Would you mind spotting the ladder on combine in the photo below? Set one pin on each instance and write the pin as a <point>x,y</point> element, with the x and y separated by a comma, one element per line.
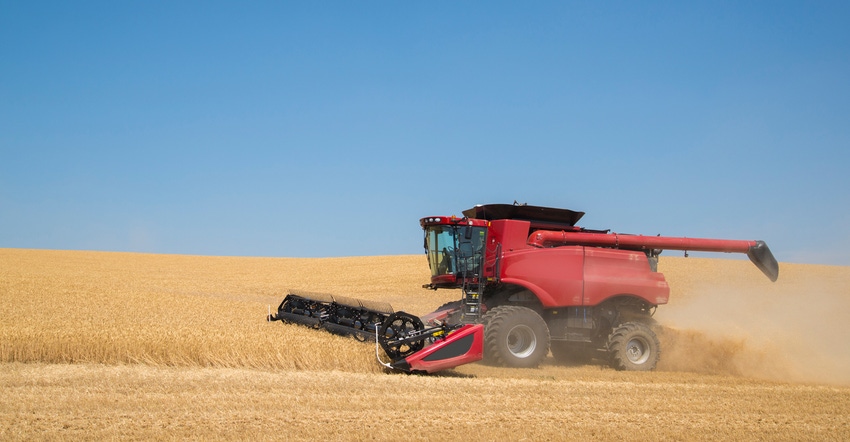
<point>471,304</point>
<point>473,291</point>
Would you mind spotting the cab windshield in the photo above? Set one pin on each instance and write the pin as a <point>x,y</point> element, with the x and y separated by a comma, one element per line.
<point>455,250</point>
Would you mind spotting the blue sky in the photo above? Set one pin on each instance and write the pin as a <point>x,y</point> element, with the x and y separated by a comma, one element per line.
<point>318,129</point>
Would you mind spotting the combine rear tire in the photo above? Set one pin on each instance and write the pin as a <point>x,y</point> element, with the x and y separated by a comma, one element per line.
<point>515,337</point>
<point>634,347</point>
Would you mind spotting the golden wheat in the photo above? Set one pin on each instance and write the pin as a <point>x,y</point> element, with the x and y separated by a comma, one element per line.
<point>98,402</point>
<point>61,307</point>
<point>116,345</point>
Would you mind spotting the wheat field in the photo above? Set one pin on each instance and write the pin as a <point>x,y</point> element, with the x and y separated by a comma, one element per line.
<point>98,345</point>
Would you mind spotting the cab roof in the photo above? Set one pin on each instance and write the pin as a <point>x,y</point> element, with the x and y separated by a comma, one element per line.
<point>524,212</point>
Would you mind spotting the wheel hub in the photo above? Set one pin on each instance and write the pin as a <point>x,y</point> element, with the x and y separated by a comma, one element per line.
<point>522,341</point>
<point>636,351</point>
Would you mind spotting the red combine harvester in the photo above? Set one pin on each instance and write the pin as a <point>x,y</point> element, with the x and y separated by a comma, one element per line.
<point>531,281</point>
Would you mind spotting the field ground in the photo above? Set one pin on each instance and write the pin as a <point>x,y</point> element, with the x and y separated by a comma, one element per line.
<point>98,345</point>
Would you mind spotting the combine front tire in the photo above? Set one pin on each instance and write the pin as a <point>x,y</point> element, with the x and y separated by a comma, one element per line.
<point>515,337</point>
<point>634,347</point>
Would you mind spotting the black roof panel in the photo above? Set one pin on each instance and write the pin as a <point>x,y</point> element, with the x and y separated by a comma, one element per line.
<point>526,213</point>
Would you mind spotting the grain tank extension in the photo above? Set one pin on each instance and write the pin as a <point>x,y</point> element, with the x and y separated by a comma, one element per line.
<point>530,281</point>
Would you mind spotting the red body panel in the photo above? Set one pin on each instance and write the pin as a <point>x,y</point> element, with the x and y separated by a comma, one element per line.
<point>462,346</point>
<point>612,272</point>
<point>583,276</point>
<point>510,234</point>
<point>555,275</point>
<point>570,275</point>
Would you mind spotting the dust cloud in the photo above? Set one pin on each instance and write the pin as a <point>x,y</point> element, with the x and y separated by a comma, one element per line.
<point>791,330</point>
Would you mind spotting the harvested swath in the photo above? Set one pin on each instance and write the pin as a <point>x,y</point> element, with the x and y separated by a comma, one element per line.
<point>137,402</point>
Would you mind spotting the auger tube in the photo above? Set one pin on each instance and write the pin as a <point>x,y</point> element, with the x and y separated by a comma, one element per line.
<point>757,251</point>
